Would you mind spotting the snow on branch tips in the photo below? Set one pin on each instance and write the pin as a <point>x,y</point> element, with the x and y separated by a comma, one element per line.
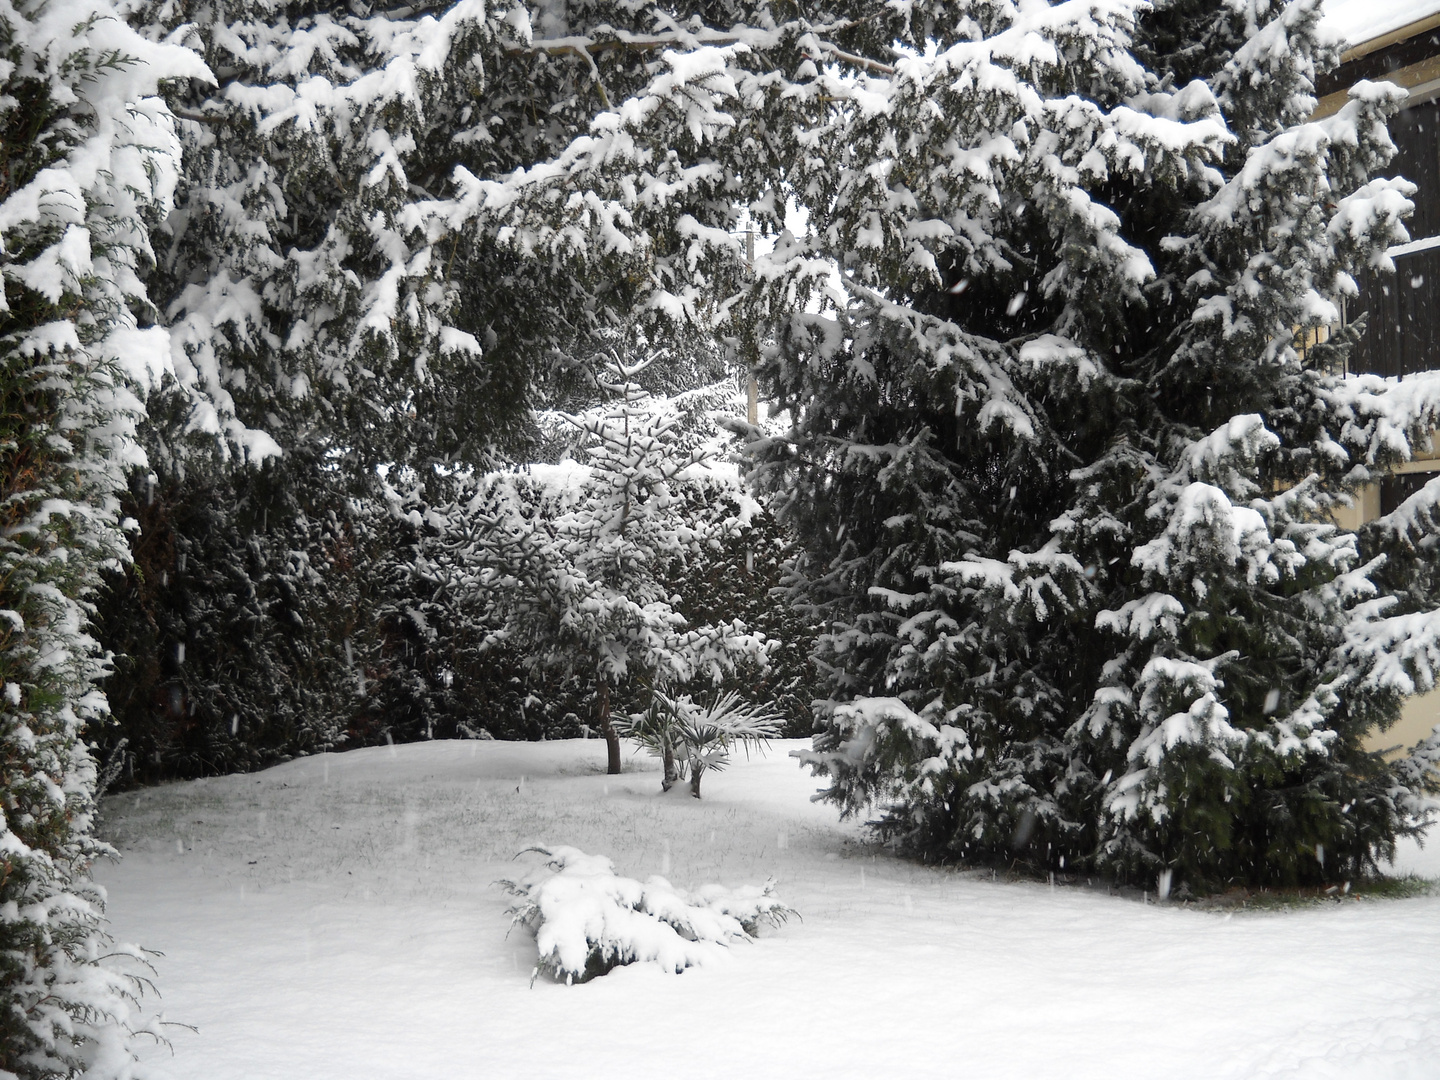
<point>92,166</point>
<point>588,920</point>
<point>880,740</point>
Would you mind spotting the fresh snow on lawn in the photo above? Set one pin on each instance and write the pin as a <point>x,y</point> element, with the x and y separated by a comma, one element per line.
<point>335,917</point>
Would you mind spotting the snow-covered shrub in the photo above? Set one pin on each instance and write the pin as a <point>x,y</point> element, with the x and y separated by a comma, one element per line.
<point>435,675</point>
<point>242,627</point>
<point>586,919</point>
<point>740,576</point>
<point>690,737</point>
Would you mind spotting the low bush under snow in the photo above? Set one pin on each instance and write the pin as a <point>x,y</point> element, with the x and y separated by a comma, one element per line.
<point>587,919</point>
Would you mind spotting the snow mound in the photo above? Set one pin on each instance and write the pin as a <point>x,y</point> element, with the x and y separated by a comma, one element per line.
<point>587,920</point>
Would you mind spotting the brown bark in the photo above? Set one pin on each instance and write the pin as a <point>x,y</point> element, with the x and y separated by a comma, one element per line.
<point>612,740</point>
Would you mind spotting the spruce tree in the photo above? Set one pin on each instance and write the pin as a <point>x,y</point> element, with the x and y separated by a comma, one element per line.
<point>1064,476</point>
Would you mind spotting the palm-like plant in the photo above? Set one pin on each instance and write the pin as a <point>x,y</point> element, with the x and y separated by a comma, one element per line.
<point>690,736</point>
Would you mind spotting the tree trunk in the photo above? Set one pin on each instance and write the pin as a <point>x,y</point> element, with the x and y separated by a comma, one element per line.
<point>612,740</point>
<point>695,771</point>
<point>668,757</point>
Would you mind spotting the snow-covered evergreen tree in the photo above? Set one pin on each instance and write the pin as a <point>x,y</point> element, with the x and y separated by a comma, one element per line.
<point>324,351</point>
<point>91,158</point>
<point>440,673</point>
<point>1065,478</point>
<point>580,579</point>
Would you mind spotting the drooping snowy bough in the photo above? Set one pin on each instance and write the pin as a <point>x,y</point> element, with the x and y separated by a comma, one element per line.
<point>587,920</point>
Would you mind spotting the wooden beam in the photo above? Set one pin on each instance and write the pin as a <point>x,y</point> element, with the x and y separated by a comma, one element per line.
<point>1412,77</point>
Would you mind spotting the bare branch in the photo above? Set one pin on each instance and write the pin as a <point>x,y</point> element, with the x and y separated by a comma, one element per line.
<point>588,48</point>
<point>200,118</point>
<point>865,63</point>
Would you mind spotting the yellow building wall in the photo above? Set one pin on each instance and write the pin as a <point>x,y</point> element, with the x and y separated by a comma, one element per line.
<point>1365,508</point>
<point>1417,719</point>
<point>1421,713</point>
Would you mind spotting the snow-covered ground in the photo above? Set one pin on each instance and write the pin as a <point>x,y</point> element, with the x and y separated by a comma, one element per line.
<point>335,919</point>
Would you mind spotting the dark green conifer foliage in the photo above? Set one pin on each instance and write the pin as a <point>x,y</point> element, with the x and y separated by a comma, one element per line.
<point>1109,624</point>
<point>263,551</point>
<point>240,626</point>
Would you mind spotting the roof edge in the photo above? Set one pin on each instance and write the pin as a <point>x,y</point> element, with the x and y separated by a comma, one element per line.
<point>1409,30</point>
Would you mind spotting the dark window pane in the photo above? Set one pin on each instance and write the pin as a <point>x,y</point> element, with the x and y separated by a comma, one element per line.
<point>1398,487</point>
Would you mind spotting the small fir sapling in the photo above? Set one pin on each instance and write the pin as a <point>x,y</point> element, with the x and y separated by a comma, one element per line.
<point>587,920</point>
<point>690,737</point>
<point>581,579</point>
